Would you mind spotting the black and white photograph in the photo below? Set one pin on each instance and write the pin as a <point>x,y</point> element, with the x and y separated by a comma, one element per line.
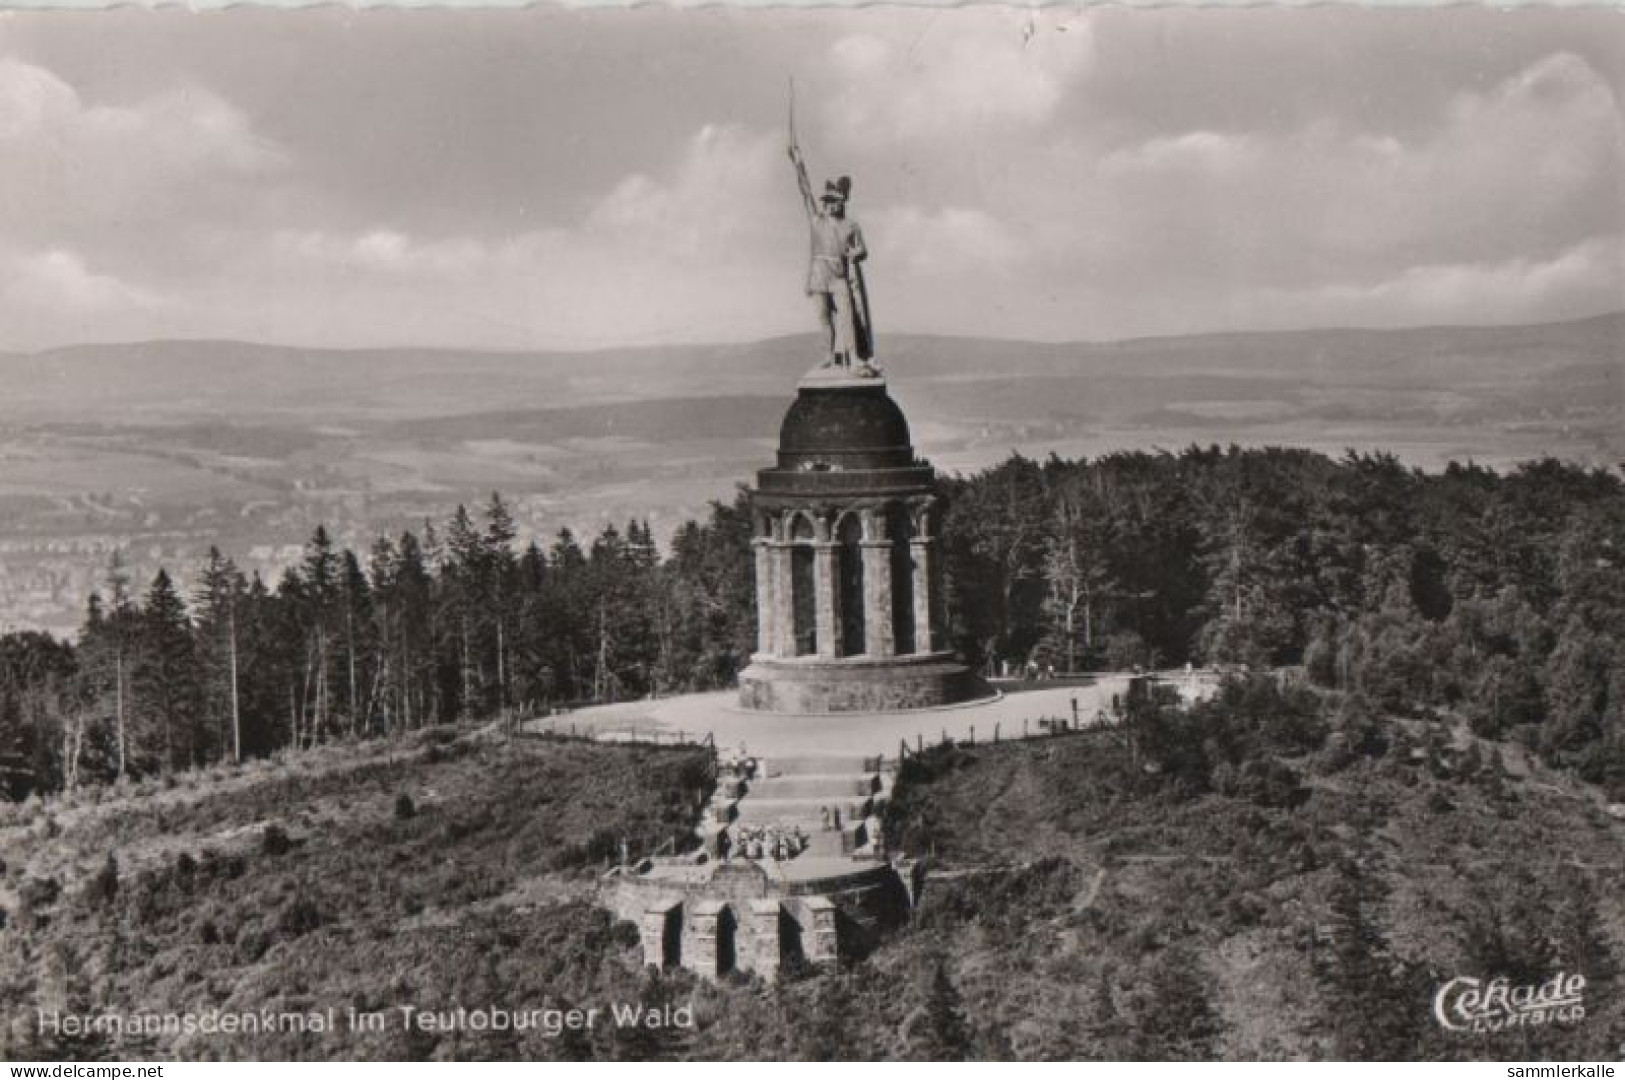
<point>774,533</point>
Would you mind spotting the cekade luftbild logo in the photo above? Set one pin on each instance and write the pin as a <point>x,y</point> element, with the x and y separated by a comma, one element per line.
<point>1467,1004</point>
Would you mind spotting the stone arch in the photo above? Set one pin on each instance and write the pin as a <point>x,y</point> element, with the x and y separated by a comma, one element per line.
<point>800,527</point>
<point>849,537</point>
<point>921,512</point>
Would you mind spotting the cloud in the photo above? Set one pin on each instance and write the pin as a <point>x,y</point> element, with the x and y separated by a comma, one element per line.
<point>1203,153</point>
<point>55,295</point>
<point>966,77</point>
<point>60,279</point>
<point>1018,173</point>
<point>948,241</point>
<point>72,164</point>
<point>1536,160</point>
<point>664,255</point>
<point>1585,278</point>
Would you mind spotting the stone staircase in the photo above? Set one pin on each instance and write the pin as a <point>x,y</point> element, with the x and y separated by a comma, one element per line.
<point>794,792</point>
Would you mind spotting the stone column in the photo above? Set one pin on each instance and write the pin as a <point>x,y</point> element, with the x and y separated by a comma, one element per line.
<point>820,942</point>
<point>765,588</point>
<point>784,604</point>
<point>920,551</point>
<point>652,929</point>
<point>762,953</point>
<point>827,585</point>
<point>877,614</point>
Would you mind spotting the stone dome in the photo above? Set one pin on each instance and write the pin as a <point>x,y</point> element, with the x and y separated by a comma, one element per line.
<point>843,428</point>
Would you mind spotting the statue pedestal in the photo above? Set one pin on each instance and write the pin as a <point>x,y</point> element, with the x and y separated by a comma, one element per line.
<point>836,376</point>
<point>848,575</point>
<point>818,686</point>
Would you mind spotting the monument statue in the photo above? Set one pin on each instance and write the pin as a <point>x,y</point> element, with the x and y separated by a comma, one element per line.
<point>835,272</point>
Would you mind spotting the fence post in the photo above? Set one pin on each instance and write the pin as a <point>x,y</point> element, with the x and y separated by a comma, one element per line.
<point>1024,727</point>
<point>995,731</point>
<point>973,734</point>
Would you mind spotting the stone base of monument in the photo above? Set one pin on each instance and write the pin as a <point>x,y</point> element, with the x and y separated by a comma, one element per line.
<point>815,686</point>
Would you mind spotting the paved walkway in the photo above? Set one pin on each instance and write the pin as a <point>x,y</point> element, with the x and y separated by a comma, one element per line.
<point>866,734</point>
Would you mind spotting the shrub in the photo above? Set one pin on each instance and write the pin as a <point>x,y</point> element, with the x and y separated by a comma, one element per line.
<point>1270,783</point>
<point>39,892</point>
<point>301,916</point>
<point>274,841</point>
<point>405,808</point>
<point>103,887</point>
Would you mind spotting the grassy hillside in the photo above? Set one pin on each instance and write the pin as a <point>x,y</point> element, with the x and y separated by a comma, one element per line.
<point>456,871</point>
<point>1142,920</point>
<point>1263,878</point>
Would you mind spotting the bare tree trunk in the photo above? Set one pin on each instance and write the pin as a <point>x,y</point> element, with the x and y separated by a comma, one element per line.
<point>236,712</point>
<point>502,670</point>
<point>349,651</point>
<point>73,741</point>
<point>118,698</point>
<point>599,680</point>
<point>467,665</point>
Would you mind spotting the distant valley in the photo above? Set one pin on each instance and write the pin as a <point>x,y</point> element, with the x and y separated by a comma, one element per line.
<point>163,448</point>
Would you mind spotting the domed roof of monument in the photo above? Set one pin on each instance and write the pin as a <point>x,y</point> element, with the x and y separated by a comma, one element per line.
<point>845,421</point>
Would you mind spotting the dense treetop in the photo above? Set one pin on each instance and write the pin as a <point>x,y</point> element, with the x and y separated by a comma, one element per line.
<point>1497,597</point>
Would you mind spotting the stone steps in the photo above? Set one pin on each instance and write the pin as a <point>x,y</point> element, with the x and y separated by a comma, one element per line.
<point>799,811</point>
<point>833,786</point>
<point>818,765</point>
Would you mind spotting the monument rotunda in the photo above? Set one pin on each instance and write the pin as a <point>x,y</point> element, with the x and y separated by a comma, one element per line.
<point>848,582</point>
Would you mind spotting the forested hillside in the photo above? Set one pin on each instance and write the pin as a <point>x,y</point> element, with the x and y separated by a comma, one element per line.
<point>1275,874</point>
<point>1497,598</point>
<point>447,868</point>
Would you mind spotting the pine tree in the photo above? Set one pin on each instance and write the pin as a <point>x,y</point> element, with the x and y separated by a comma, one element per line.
<point>218,601</point>
<point>946,1033</point>
<point>501,591</point>
<point>166,675</point>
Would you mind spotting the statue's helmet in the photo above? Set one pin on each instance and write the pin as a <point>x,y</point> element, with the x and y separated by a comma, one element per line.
<point>837,190</point>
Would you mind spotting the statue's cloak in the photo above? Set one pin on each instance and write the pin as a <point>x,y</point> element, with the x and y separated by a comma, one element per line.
<point>862,328</point>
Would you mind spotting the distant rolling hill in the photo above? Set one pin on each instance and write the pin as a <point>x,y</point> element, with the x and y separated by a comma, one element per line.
<point>1582,363</point>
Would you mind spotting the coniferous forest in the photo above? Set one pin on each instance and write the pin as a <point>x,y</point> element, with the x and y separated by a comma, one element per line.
<point>1493,598</point>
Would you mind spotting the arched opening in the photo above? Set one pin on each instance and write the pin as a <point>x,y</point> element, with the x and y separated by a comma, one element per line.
<point>849,585</point>
<point>803,587</point>
<point>727,926</point>
<point>901,531</point>
<point>671,938</point>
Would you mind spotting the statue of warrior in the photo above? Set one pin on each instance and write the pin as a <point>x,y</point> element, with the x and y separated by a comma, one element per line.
<point>835,275</point>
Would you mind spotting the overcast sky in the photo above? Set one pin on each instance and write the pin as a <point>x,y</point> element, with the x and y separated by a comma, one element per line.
<point>543,179</point>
